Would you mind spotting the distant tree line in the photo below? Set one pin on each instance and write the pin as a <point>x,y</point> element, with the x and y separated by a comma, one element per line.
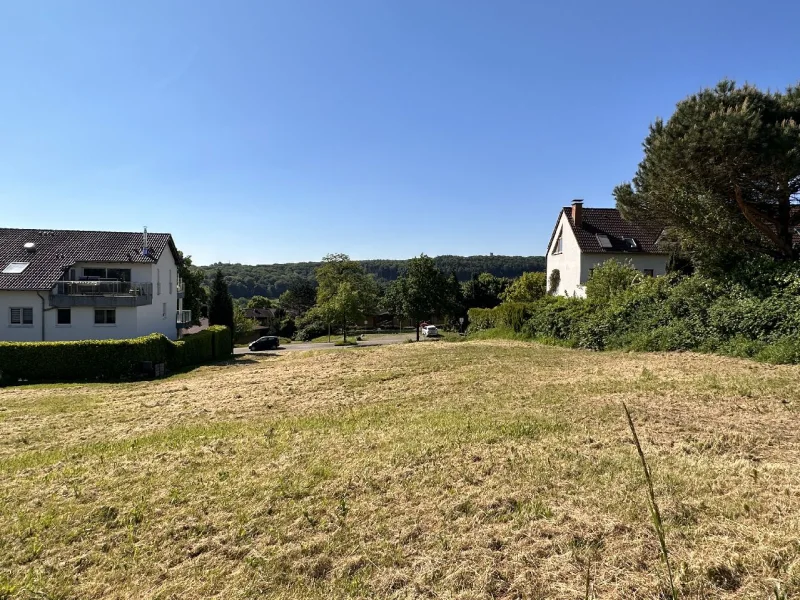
<point>246,281</point>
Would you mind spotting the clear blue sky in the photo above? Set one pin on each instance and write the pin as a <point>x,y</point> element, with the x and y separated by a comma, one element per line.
<point>263,132</point>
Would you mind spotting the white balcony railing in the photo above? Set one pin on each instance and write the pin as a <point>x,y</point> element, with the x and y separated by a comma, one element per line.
<point>184,317</point>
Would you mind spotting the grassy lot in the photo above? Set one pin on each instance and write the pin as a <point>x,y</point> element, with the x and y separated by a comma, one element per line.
<point>483,469</point>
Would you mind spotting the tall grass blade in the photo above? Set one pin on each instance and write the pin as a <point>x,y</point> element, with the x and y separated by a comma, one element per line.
<point>658,524</point>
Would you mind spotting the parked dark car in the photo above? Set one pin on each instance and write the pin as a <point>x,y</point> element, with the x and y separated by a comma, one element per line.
<point>268,342</point>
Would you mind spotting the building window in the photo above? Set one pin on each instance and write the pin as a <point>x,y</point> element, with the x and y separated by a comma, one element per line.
<point>559,247</point>
<point>158,282</point>
<point>647,272</point>
<point>163,310</point>
<point>103,273</point>
<point>20,316</point>
<point>105,316</point>
<point>170,282</point>
<point>64,316</point>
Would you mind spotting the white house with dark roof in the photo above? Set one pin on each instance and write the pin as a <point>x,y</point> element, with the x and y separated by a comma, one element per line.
<point>586,237</point>
<point>84,285</point>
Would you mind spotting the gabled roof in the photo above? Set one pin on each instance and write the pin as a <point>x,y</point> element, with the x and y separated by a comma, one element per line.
<point>259,313</point>
<point>608,222</point>
<point>57,250</point>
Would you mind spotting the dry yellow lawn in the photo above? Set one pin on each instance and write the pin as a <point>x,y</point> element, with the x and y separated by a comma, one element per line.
<point>443,470</point>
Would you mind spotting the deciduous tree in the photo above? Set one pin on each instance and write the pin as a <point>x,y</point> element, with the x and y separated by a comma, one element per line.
<point>528,288</point>
<point>299,298</point>
<point>259,302</point>
<point>421,292</point>
<point>242,326</point>
<point>345,289</point>
<point>194,294</point>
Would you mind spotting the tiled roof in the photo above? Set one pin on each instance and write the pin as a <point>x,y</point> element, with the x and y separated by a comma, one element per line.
<point>609,222</point>
<point>57,250</point>
<point>259,313</point>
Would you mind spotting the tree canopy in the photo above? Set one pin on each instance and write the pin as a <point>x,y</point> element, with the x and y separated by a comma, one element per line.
<point>259,302</point>
<point>529,287</point>
<point>194,294</point>
<point>484,290</point>
<point>346,292</point>
<point>245,281</point>
<point>722,175</point>
<point>299,298</point>
<point>421,292</point>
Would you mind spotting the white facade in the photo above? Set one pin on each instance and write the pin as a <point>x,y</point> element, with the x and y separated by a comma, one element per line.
<point>81,322</point>
<point>575,266</point>
<point>566,257</point>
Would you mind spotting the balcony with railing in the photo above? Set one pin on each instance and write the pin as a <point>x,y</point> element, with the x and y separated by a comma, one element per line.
<point>184,319</point>
<point>179,289</point>
<point>100,292</point>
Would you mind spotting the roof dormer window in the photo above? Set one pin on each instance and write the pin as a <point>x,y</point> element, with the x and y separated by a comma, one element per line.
<point>630,244</point>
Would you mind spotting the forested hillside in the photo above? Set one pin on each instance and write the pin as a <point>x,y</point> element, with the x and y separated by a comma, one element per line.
<point>245,281</point>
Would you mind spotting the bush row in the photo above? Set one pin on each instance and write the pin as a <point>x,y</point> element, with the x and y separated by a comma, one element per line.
<point>107,359</point>
<point>673,312</point>
<point>510,315</point>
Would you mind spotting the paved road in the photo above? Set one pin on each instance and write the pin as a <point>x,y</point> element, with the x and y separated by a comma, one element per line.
<point>300,346</point>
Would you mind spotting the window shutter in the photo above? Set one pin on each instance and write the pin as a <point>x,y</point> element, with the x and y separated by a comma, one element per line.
<point>16,316</point>
<point>27,316</point>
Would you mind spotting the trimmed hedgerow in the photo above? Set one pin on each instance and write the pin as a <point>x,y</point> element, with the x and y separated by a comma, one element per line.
<point>222,345</point>
<point>107,360</point>
<point>198,347</point>
<point>84,360</point>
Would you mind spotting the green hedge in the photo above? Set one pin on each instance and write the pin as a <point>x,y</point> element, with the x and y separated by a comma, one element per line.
<point>71,361</point>
<point>107,359</point>
<point>198,348</point>
<point>223,342</point>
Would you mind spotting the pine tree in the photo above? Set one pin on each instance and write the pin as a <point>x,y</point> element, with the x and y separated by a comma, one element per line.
<point>220,305</point>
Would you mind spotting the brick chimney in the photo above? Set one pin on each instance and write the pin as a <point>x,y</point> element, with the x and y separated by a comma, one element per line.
<point>577,212</point>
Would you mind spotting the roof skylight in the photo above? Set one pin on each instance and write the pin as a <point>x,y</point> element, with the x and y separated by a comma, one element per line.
<point>14,268</point>
<point>604,241</point>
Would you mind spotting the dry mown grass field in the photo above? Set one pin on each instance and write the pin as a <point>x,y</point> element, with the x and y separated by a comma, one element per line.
<point>451,470</point>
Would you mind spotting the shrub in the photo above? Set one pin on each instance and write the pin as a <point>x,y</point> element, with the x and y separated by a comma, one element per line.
<point>481,318</point>
<point>311,330</point>
<point>673,312</point>
<point>784,351</point>
<point>286,328</point>
<point>610,279</point>
<point>555,317</point>
<point>738,346</point>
